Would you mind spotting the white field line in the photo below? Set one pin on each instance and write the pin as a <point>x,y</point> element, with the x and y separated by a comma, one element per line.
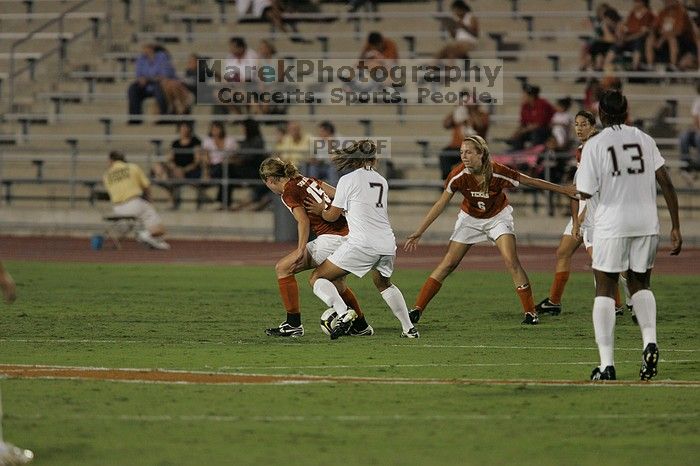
<point>279,379</point>
<point>355,418</point>
<point>474,364</point>
<point>239,342</point>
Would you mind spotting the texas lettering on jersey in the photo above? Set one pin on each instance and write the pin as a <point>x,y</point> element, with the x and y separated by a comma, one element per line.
<point>300,188</point>
<point>476,203</point>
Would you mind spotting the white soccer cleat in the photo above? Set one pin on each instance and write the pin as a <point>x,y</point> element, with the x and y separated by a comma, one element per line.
<point>145,237</point>
<point>11,455</point>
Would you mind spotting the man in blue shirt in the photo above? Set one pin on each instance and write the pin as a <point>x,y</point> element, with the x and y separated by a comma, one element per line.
<point>151,67</point>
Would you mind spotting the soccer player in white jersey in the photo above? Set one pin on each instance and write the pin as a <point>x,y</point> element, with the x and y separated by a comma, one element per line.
<point>370,244</point>
<point>622,165</point>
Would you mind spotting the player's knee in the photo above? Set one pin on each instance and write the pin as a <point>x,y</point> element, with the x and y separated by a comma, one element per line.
<point>281,268</point>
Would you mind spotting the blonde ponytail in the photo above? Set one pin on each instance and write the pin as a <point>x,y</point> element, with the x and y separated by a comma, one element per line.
<point>274,167</point>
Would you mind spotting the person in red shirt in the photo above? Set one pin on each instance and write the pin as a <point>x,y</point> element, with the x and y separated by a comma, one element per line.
<point>672,36</point>
<point>535,116</point>
<point>635,30</point>
<point>485,215</point>
<point>283,178</point>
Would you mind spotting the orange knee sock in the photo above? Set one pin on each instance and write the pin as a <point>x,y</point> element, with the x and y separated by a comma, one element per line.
<point>289,291</point>
<point>526,299</point>
<point>427,292</point>
<point>558,285</point>
<point>350,299</point>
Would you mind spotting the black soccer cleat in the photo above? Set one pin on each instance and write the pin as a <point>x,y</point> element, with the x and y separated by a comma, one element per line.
<point>531,319</point>
<point>412,333</point>
<point>619,311</point>
<point>548,307</point>
<point>414,315</point>
<point>344,324</point>
<point>285,330</point>
<point>360,328</point>
<point>606,374</point>
<point>632,314</point>
<point>650,358</point>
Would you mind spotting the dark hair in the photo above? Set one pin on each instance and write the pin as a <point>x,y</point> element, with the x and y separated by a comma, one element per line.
<point>251,129</point>
<point>532,91</point>
<point>116,155</point>
<point>587,115</point>
<point>238,41</point>
<point>460,4</point>
<point>612,108</point>
<point>220,125</point>
<point>565,103</point>
<point>645,2</point>
<point>328,126</point>
<point>612,15</point>
<point>188,123</point>
<point>357,155</point>
<point>375,38</point>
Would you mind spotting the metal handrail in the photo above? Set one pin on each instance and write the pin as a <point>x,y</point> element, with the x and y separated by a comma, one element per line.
<point>59,19</point>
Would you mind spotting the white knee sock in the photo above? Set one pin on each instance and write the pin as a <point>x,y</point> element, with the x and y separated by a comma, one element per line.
<point>604,327</point>
<point>644,304</point>
<point>329,295</point>
<point>394,299</point>
<point>625,288</point>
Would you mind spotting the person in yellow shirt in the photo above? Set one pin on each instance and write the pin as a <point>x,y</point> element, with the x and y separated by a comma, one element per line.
<point>128,190</point>
<point>294,145</point>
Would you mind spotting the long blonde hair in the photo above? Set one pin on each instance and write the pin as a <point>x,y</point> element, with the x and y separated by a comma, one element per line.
<point>275,167</point>
<point>357,155</point>
<point>486,166</point>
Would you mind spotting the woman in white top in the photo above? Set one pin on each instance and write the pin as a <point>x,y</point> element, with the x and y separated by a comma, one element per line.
<point>370,244</point>
<point>464,29</point>
<point>219,151</point>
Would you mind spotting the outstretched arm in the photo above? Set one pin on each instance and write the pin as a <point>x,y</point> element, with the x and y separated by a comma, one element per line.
<point>331,214</point>
<point>672,204</point>
<point>537,183</point>
<point>433,213</point>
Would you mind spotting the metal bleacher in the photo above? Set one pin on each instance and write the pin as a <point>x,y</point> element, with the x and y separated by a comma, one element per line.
<point>69,107</point>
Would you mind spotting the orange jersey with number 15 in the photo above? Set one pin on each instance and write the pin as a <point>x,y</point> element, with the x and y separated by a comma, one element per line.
<point>300,188</point>
<point>476,203</point>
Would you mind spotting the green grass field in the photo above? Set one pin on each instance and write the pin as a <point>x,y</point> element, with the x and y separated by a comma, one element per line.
<point>211,318</point>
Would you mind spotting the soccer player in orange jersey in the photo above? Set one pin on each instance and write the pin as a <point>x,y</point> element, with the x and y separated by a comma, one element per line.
<point>485,215</point>
<point>284,179</point>
<point>579,230</point>
<point>7,286</point>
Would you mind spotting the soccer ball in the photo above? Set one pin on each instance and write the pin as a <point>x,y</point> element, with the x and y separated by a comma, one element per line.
<point>329,321</point>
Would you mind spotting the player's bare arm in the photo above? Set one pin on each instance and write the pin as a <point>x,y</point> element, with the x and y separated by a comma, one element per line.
<point>303,229</point>
<point>669,193</point>
<point>568,190</point>
<point>328,189</point>
<point>434,212</point>
<point>330,214</point>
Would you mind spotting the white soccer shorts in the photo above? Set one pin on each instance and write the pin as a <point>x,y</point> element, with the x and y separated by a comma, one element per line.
<point>471,230</point>
<point>587,237</point>
<point>356,260</point>
<point>635,253</point>
<point>140,208</point>
<point>323,246</point>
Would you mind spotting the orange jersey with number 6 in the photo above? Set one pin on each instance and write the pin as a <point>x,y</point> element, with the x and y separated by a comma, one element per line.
<point>476,203</point>
<point>300,188</point>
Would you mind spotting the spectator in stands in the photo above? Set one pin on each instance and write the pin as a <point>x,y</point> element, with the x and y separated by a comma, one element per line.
<point>219,150</point>
<point>182,163</point>
<point>266,9</point>
<point>251,153</point>
<point>634,32</point>
<point>464,120</point>
<point>294,145</point>
<point>379,48</point>
<point>268,57</point>
<point>354,5</point>
<point>190,77</point>
<point>691,138</point>
<point>128,189</point>
<point>535,117</point>
<point>239,66</point>
<point>562,124</point>
<point>608,31</point>
<point>672,36</point>
<point>151,68</point>
<point>464,30</point>
<point>320,166</point>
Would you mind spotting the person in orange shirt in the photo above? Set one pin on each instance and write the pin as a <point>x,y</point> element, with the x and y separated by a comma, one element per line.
<point>379,47</point>
<point>283,178</point>
<point>635,30</point>
<point>485,215</point>
<point>672,36</point>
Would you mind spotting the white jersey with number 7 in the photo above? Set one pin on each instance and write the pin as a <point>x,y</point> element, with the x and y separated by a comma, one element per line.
<point>620,164</point>
<point>362,194</point>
